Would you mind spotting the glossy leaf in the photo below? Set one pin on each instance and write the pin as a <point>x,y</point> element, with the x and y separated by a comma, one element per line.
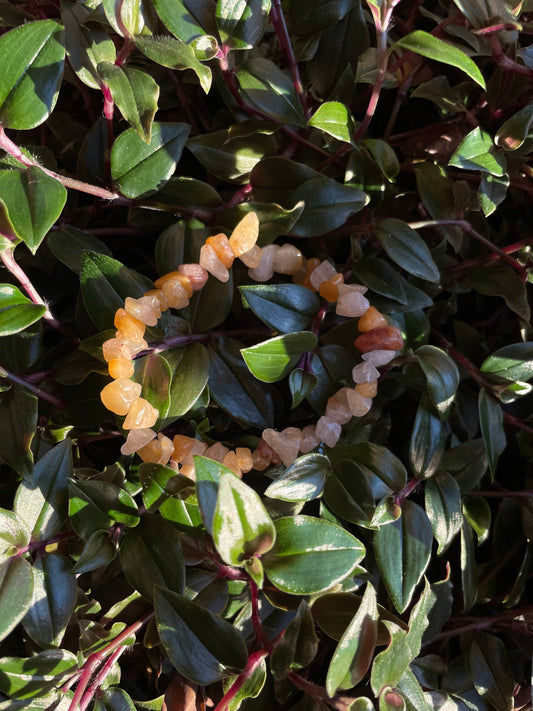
<point>242,24</point>
<point>189,376</point>
<point>407,249</point>
<point>309,18</point>
<point>54,597</point>
<point>98,551</point>
<point>390,664</point>
<point>159,482</point>
<point>250,689</point>
<point>16,311</point>
<point>402,551</point>
<point>431,47</point>
<point>150,555</point>
<point>477,152</point>
<point>310,555</point>
<point>477,512</point>
<point>353,655</point>
<point>301,383</point>
<point>298,646</point>
<point>303,480</point>
<point>468,566</point>
<point>427,440</point>
<point>16,594</point>
<point>443,507</point>
<point>208,474</point>
<point>127,17</point>
<point>181,17</point>
<point>514,362</point>
<point>442,377</point>
<point>230,159</point>
<point>283,307</point>
<point>138,167</point>
<point>381,277</point>
<point>348,493</point>
<point>490,671</point>
<point>95,505</point>
<point>114,699</point>
<point>492,191</point>
<point>33,201</point>
<point>272,360</point>
<point>18,423</point>
<point>33,56</point>
<point>512,134</point>
<point>491,423</point>
<point>68,244</point>
<point>333,118</point>
<point>385,472</point>
<point>154,374</point>
<point>24,678</point>
<point>202,646</point>
<point>174,54</point>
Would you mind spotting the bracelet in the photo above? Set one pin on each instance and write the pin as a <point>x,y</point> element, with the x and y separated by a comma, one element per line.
<point>378,342</point>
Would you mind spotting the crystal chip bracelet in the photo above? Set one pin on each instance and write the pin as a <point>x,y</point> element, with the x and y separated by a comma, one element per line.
<point>378,343</point>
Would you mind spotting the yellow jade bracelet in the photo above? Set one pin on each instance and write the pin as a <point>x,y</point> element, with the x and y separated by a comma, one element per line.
<point>378,343</point>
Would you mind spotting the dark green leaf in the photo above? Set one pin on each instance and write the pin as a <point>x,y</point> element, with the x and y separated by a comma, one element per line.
<point>334,118</point>
<point>310,555</point>
<point>490,671</point>
<point>138,167</point>
<point>476,152</point>
<point>160,482</point>
<point>384,156</point>
<point>272,360</point>
<point>203,647</point>
<point>443,507</point>
<point>298,645</point>
<point>385,472</point>
<point>95,505</point>
<point>442,377</point>
<point>347,492</point>
<point>303,480</point>
<point>390,664</point>
<point>431,47</point>
<point>353,655</point>
<point>33,201</point>
<point>283,307</point>
<point>153,373</point>
<point>18,423</point>
<point>242,24</point>
<point>68,243</point>
<point>468,566</point>
<point>301,383</point>
<point>180,18</point>
<point>491,423</point>
<point>407,249</point>
<point>16,311</point>
<point>382,278</point>
<point>274,178</point>
<point>98,551</point>
<point>512,134</point>
<point>22,678</point>
<point>54,597</point>
<point>114,699</point>
<point>32,68</point>
<point>411,691</point>
<point>427,440</point>
<point>502,280</point>
<point>230,159</point>
<point>309,17</point>
<point>250,689</point>
<point>127,17</point>
<point>14,534</point>
<point>208,474</point>
<point>477,512</point>
<point>189,376</point>
<point>150,555</point>
<point>174,54</point>
<point>436,191</point>
<point>402,550</point>
<point>16,596</point>
<point>330,364</point>
<point>514,362</point>
<point>492,191</point>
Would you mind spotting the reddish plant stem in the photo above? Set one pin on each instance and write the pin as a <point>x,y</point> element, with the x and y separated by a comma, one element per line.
<point>516,422</point>
<point>407,490</point>
<point>260,635</point>
<point>254,660</point>
<point>38,546</point>
<point>186,104</point>
<point>317,693</point>
<point>125,51</point>
<point>505,494</point>
<point>42,394</point>
<point>278,20</point>
<point>100,677</point>
<point>383,60</point>
<point>505,62</point>
<point>200,338</point>
<point>240,196</point>
<point>483,623</point>
<point>463,361</point>
<point>480,261</point>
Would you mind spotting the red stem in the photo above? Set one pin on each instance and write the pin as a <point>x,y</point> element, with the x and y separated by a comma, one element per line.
<point>254,660</point>
<point>278,20</point>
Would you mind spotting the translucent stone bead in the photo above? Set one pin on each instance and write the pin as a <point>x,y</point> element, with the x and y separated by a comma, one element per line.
<point>211,263</point>
<point>359,405</point>
<point>328,431</point>
<point>371,319</point>
<point>305,279</point>
<point>245,234</point>
<point>387,338</point>
<point>223,250</point>
<point>163,303</point>
<point>196,274</point>
<point>264,455</point>
<point>367,389</point>
<point>130,326</point>
<point>137,439</point>
<point>146,309</point>
<point>337,408</point>
<point>377,358</point>
<point>178,276</point>
<point>309,439</point>
<point>114,348</point>
<point>351,302</point>
<point>252,258</point>
<point>120,368</point>
<point>230,461</point>
<point>216,451</point>
<point>285,443</point>
<point>141,414</point>
<point>119,395</point>
<point>288,259</point>
<point>265,270</point>
<point>132,347</point>
<point>158,450</point>
<point>186,446</point>
<point>365,373</point>
<point>324,271</point>
<point>188,471</point>
<point>329,289</point>
<point>175,293</point>
<point>244,459</point>
<point>300,275</point>
<point>260,461</point>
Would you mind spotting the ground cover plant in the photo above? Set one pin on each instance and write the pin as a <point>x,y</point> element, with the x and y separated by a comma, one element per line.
<point>217,219</point>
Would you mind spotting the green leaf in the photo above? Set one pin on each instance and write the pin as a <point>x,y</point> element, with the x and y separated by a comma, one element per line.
<point>411,690</point>
<point>283,307</point>
<point>390,664</point>
<point>32,68</point>
<point>477,152</point>
<point>348,494</point>
<point>127,17</point>
<point>442,377</point>
<point>491,423</point>
<point>153,373</point>
<point>298,646</point>
<point>242,23</point>
<point>431,47</point>
<point>138,167</point>
<point>68,243</point>
<point>502,280</point>
<point>251,688</point>
<point>468,566</point>
<point>513,133</point>
<point>160,482</point>
<point>384,471</point>
<point>353,655</point>
<point>490,671</point>
<point>189,375</point>
<point>16,595</point>
<point>477,512</point>
<point>135,94</point>
<point>33,201</point>
<point>272,360</point>
<point>174,54</point>
<point>242,527</point>
<point>384,156</point>
<point>492,191</point>
<point>24,678</point>
<point>208,474</point>
<point>443,507</point>
<point>150,555</point>
<point>114,699</point>
<point>235,389</point>
<point>379,276</point>
<point>309,17</point>
<point>95,505</point>
<point>54,597</point>
<point>514,362</point>
<point>303,480</point>
<point>98,551</point>
<point>227,158</point>
<point>16,311</point>
<point>105,284</point>
<point>301,383</point>
<point>42,502</point>
<point>268,88</point>
<point>328,204</point>
<point>335,119</point>
<point>14,534</point>
<point>403,549</point>
<point>203,647</point>
<point>182,18</point>
<point>407,249</point>
<point>310,555</point>
<point>18,424</point>
<point>427,440</point>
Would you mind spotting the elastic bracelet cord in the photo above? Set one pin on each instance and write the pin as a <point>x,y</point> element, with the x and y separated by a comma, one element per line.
<point>378,342</point>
